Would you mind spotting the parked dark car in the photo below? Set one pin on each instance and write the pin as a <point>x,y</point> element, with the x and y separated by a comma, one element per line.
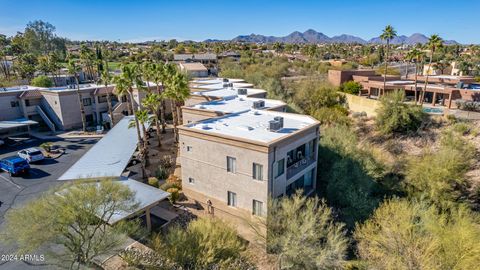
<point>14,165</point>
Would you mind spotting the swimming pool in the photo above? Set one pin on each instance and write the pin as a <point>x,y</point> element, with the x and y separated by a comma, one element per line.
<point>431,110</point>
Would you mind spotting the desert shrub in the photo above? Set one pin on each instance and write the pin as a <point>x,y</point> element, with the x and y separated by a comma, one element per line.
<point>332,115</point>
<point>351,177</point>
<point>47,146</point>
<point>174,180</point>
<point>414,235</point>
<point>153,181</point>
<point>166,162</point>
<point>473,106</point>
<point>42,81</point>
<point>303,235</point>
<point>440,176</point>
<point>206,243</point>
<point>161,172</point>
<point>174,194</point>
<point>396,116</point>
<point>351,87</point>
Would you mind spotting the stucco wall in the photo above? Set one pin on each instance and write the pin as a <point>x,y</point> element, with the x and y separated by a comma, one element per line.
<point>362,104</point>
<point>7,112</point>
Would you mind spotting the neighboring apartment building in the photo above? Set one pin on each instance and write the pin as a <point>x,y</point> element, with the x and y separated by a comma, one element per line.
<point>228,105</point>
<point>197,97</point>
<point>238,160</point>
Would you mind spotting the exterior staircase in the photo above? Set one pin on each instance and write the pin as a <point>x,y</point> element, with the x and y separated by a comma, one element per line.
<point>45,118</point>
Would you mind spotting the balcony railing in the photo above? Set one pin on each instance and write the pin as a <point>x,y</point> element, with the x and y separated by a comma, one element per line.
<point>299,166</point>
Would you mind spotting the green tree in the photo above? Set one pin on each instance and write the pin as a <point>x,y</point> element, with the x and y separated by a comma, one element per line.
<point>205,243</point>
<point>301,231</point>
<point>178,91</point>
<point>74,69</point>
<point>412,235</point>
<point>351,87</point>
<point>153,102</point>
<point>396,116</point>
<point>106,79</point>
<point>42,81</point>
<point>26,65</point>
<point>434,42</point>
<point>440,176</point>
<point>388,34</point>
<point>74,217</point>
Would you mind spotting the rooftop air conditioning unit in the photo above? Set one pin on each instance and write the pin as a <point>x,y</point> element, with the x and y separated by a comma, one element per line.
<point>242,91</point>
<point>258,104</point>
<point>225,80</point>
<point>225,85</point>
<point>274,125</point>
<point>279,119</point>
<point>230,84</point>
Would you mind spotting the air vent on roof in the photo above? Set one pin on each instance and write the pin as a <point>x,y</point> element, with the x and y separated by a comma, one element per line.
<point>206,127</point>
<point>225,80</point>
<point>242,91</point>
<point>274,125</point>
<point>230,85</point>
<point>225,85</point>
<point>258,104</point>
<point>279,119</point>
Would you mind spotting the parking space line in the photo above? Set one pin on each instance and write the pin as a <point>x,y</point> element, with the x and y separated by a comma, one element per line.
<point>10,181</point>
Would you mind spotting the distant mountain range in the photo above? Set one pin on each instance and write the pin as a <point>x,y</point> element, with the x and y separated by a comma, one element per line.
<point>313,37</point>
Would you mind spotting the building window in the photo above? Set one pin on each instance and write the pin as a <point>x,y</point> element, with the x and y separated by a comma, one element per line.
<point>191,180</point>
<point>257,208</point>
<point>231,164</point>
<point>189,149</point>
<point>14,104</point>
<point>102,99</point>
<point>27,102</point>
<point>232,198</point>
<point>280,167</point>
<point>257,171</point>
<point>87,102</point>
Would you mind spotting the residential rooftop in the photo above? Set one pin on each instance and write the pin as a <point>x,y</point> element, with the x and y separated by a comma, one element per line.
<point>20,88</point>
<point>229,92</point>
<point>73,87</point>
<point>216,80</point>
<point>236,104</point>
<point>217,86</point>
<point>253,125</point>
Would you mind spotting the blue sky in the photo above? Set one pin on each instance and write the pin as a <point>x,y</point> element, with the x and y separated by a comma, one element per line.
<point>198,20</point>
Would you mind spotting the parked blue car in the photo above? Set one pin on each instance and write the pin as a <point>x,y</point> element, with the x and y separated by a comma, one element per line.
<point>14,165</point>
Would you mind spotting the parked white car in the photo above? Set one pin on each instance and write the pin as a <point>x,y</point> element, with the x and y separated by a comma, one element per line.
<point>31,155</point>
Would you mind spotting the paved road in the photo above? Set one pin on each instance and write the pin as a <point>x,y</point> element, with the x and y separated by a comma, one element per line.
<point>15,191</point>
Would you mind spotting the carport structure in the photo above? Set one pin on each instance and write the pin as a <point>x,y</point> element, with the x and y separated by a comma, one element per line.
<point>15,127</point>
<point>107,159</point>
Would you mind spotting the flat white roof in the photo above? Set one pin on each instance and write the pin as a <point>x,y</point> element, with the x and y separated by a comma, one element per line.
<point>20,88</point>
<point>400,82</point>
<point>253,125</point>
<point>109,156</point>
<point>220,86</point>
<point>216,80</point>
<point>236,104</point>
<point>227,92</point>
<point>73,87</point>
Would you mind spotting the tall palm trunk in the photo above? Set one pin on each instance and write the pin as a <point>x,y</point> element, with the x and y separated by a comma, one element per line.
<point>137,124</point>
<point>386,66</point>
<point>175,119</point>
<point>426,79</point>
<point>158,131</point>
<point>109,104</point>
<point>162,110</point>
<point>82,108</point>
<point>416,73</point>
<point>129,105</point>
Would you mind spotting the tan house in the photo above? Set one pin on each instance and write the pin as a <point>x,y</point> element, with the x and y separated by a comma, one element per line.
<point>194,69</point>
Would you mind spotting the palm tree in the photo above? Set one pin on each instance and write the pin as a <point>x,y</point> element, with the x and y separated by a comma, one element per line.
<point>153,102</point>
<point>74,69</point>
<point>178,91</point>
<point>415,55</point>
<point>121,90</point>
<point>131,78</point>
<point>388,34</point>
<point>106,79</point>
<point>142,118</point>
<point>158,76</point>
<point>434,42</point>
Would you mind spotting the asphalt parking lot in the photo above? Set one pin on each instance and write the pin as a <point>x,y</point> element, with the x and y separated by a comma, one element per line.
<point>16,190</point>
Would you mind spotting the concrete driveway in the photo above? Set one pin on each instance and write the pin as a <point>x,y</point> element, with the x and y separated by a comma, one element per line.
<point>15,191</point>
